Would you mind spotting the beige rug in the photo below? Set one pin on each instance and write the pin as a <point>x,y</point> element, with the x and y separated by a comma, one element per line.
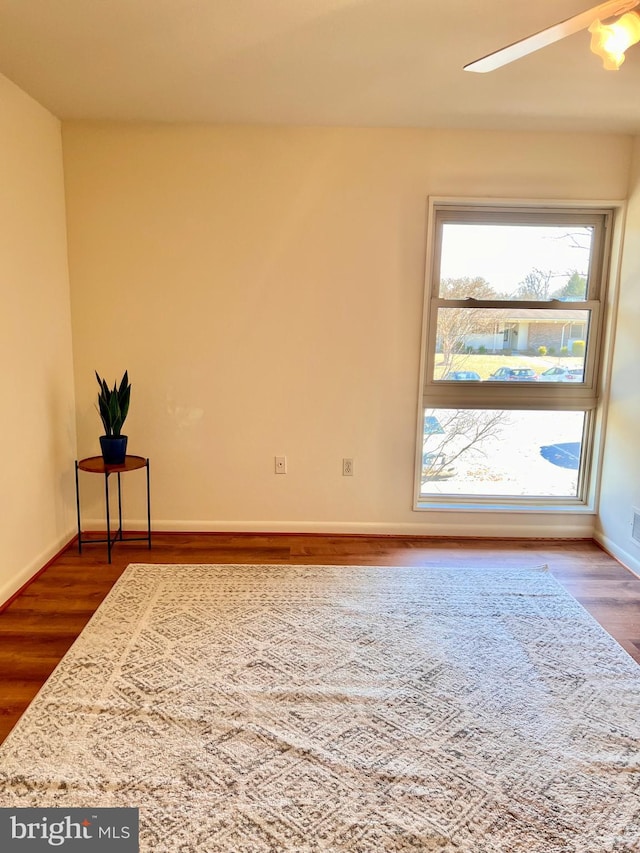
<point>315,708</point>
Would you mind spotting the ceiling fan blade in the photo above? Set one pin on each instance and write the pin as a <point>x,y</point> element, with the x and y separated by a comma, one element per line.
<point>551,34</point>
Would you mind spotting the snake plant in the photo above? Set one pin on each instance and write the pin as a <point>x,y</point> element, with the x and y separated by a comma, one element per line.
<point>113,404</point>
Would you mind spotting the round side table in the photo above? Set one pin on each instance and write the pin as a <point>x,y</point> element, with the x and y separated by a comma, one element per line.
<point>96,465</point>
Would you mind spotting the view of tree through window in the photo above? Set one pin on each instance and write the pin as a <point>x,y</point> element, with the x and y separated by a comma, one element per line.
<point>511,361</point>
<point>502,453</point>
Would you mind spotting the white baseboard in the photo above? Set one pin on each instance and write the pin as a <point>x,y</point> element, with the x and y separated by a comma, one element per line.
<point>628,560</point>
<point>540,527</point>
<point>10,587</point>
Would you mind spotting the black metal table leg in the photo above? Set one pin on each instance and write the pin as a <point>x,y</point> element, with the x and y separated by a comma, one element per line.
<point>78,510</point>
<point>148,507</point>
<point>106,488</point>
<point>119,534</point>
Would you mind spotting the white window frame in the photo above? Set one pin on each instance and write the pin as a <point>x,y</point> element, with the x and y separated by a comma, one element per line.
<point>588,396</point>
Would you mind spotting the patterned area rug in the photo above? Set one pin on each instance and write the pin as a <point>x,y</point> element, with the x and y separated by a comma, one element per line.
<point>315,708</point>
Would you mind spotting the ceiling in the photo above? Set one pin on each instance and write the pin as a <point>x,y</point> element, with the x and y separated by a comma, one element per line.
<point>381,63</point>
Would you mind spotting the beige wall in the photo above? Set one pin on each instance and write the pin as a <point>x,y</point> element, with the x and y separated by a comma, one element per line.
<point>37,503</point>
<point>621,469</point>
<point>264,288</point>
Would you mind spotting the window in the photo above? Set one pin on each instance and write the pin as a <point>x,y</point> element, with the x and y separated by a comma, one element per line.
<point>513,329</point>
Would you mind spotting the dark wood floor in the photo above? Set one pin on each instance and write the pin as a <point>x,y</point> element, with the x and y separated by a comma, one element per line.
<point>38,627</point>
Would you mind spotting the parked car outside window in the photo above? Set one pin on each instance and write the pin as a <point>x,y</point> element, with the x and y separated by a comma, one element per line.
<point>463,376</point>
<point>436,466</point>
<point>514,374</point>
<point>562,374</point>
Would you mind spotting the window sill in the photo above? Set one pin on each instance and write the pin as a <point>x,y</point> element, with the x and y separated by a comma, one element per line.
<point>510,507</point>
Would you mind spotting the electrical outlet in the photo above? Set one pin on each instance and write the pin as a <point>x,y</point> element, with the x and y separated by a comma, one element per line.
<point>281,464</point>
<point>347,467</point>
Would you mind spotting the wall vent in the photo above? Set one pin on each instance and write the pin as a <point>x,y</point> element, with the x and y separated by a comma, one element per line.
<point>635,526</point>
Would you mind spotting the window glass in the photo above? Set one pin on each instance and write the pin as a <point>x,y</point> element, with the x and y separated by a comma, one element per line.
<point>502,453</point>
<point>514,262</point>
<point>518,344</point>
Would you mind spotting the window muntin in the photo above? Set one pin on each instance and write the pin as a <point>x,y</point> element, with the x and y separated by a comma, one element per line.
<point>480,257</point>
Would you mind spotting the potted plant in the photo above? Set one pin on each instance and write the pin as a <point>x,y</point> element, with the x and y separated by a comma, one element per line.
<point>113,407</point>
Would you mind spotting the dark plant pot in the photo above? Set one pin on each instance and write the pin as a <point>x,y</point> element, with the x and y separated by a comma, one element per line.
<point>114,449</point>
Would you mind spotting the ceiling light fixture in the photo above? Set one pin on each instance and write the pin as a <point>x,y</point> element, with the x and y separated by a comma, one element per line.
<point>609,42</point>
